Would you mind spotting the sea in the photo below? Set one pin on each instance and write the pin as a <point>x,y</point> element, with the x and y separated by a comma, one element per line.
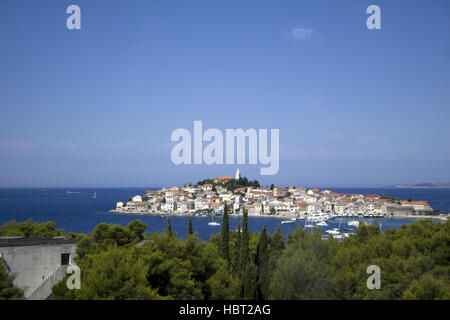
<point>76,210</point>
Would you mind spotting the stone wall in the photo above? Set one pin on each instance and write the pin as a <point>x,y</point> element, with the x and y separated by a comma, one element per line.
<point>34,260</point>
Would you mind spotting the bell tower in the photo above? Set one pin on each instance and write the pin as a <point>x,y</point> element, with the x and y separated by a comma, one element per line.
<point>238,174</point>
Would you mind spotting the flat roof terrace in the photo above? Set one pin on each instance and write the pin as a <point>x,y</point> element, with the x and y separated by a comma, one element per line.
<point>23,242</point>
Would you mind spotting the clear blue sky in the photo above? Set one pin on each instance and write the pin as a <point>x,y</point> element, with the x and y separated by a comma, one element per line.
<point>96,107</point>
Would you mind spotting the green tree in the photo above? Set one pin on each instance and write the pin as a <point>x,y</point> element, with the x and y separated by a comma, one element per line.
<point>190,231</point>
<point>8,291</point>
<point>30,229</point>
<point>223,285</point>
<point>427,287</point>
<point>237,252</point>
<point>250,281</point>
<point>304,268</point>
<point>262,260</point>
<point>225,239</point>
<point>245,253</point>
<point>273,211</point>
<point>169,226</point>
<point>136,229</point>
<point>115,274</point>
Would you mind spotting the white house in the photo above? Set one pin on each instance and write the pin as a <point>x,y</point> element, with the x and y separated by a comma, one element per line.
<point>207,187</point>
<point>169,207</point>
<point>137,198</point>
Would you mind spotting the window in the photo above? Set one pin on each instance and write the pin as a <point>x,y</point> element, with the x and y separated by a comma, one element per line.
<point>65,258</point>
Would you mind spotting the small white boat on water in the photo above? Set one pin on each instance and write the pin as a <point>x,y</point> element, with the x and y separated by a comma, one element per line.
<point>288,221</point>
<point>333,231</point>
<point>95,195</point>
<point>322,224</point>
<point>317,217</point>
<point>309,224</point>
<point>354,223</point>
<point>337,236</point>
<point>213,223</point>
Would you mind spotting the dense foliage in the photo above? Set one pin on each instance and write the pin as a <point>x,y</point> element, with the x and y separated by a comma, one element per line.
<point>232,184</point>
<point>30,229</point>
<point>8,291</point>
<point>126,263</point>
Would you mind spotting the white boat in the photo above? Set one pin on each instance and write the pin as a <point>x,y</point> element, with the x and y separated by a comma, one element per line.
<point>213,223</point>
<point>346,234</point>
<point>322,224</point>
<point>95,195</point>
<point>333,231</point>
<point>288,221</point>
<point>318,217</point>
<point>309,224</point>
<point>354,223</point>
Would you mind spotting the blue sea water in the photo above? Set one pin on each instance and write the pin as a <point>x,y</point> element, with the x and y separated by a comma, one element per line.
<point>80,212</point>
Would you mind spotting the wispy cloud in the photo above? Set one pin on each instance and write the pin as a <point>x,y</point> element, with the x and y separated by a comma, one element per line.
<point>300,34</point>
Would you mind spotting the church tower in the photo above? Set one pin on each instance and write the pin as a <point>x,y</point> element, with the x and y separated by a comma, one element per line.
<point>238,174</point>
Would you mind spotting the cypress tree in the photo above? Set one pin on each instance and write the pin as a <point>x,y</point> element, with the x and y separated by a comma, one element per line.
<point>245,259</point>
<point>190,232</point>
<point>237,252</point>
<point>262,261</point>
<point>169,226</point>
<point>250,281</point>
<point>225,243</point>
<point>277,242</point>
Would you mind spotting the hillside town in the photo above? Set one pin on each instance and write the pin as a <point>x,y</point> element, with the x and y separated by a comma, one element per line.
<point>212,195</point>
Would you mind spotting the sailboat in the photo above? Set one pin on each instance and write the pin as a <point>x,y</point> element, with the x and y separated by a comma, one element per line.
<point>213,223</point>
<point>335,232</point>
<point>95,195</point>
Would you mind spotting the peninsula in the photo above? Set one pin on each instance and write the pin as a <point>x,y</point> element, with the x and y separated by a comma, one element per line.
<point>211,195</point>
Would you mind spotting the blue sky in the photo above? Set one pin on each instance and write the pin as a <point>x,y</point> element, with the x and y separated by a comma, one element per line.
<point>96,107</point>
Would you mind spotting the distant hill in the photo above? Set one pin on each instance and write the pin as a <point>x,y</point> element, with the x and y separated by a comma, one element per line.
<point>423,185</point>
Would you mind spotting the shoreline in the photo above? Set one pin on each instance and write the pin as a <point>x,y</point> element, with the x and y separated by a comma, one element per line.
<point>165,214</point>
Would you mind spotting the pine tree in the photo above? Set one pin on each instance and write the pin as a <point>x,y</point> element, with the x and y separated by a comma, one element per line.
<point>190,231</point>
<point>225,243</point>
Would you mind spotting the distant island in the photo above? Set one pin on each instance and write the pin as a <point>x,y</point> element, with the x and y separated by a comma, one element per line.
<point>422,185</point>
